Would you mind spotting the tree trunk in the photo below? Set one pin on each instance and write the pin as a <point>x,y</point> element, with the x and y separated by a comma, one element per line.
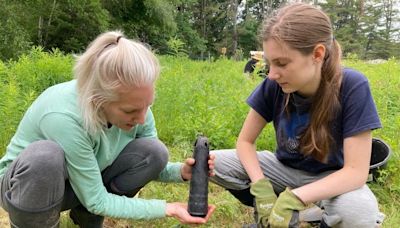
<point>53,8</point>
<point>40,28</point>
<point>203,24</point>
<point>234,5</point>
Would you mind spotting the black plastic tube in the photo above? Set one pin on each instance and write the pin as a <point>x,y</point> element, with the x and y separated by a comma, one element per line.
<point>198,196</point>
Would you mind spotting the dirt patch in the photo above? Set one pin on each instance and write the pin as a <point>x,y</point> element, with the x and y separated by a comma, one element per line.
<point>4,218</point>
<point>108,222</point>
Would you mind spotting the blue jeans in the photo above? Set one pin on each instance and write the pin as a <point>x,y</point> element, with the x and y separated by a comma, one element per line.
<point>35,188</point>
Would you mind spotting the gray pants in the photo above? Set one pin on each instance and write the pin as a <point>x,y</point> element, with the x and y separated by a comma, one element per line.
<point>35,188</point>
<point>355,209</point>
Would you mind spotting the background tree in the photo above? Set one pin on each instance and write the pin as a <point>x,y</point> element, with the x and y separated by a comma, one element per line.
<point>254,12</point>
<point>150,21</point>
<point>195,43</point>
<point>14,38</point>
<point>248,32</point>
<point>210,20</point>
<point>390,9</point>
<point>73,24</point>
<point>66,25</point>
<point>262,9</point>
<point>346,16</point>
<point>367,28</point>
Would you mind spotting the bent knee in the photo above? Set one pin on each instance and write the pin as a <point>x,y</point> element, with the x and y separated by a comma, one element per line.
<point>358,208</point>
<point>224,158</point>
<point>155,150</point>
<point>44,155</point>
<point>229,172</point>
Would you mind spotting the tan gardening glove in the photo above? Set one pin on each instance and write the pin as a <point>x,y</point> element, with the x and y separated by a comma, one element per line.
<point>265,198</point>
<point>285,211</point>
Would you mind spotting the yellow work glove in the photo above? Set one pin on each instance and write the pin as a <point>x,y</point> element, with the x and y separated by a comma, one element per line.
<point>265,198</point>
<point>285,212</point>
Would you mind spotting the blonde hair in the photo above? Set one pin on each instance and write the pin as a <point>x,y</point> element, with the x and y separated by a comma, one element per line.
<point>302,27</point>
<point>109,62</point>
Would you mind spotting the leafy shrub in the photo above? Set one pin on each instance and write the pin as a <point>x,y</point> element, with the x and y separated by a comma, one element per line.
<point>38,70</point>
<point>177,47</point>
<point>23,80</point>
<point>14,40</point>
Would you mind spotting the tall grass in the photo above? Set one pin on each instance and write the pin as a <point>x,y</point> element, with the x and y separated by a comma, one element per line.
<point>202,98</point>
<point>23,80</point>
<point>205,98</point>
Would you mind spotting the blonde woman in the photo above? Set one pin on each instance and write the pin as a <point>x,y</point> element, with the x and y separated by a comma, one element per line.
<point>88,143</point>
<point>323,115</point>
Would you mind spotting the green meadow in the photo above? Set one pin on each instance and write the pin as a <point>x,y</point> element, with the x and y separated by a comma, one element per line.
<point>203,98</point>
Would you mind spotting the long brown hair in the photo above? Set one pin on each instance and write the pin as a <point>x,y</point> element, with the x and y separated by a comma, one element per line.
<point>301,27</point>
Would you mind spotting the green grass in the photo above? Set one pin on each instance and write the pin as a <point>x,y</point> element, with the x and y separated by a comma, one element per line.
<point>206,98</point>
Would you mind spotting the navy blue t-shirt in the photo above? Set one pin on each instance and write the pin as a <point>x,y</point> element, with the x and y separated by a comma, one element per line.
<point>358,113</point>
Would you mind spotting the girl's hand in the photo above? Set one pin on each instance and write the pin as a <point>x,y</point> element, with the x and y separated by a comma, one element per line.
<point>180,212</point>
<point>282,213</point>
<point>186,170</point>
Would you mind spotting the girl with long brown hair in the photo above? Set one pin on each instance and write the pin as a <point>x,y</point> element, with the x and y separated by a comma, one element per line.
<point>323,115</point>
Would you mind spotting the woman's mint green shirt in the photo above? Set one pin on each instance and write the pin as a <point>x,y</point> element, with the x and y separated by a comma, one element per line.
<point>55,116</point>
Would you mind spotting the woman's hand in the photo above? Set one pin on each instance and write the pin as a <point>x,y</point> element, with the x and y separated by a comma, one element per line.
<point>180,212</point>
<point>186,170</point>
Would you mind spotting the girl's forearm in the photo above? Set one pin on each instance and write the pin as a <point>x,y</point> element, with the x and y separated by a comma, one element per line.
<point>337,183</point>
<point>248,157</point>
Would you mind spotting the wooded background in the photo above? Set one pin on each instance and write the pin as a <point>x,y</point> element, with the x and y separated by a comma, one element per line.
<point>199,29</point>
